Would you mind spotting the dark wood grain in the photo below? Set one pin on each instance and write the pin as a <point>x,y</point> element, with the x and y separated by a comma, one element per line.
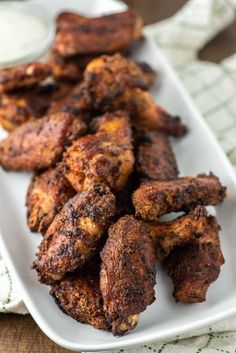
<point>20,334</point>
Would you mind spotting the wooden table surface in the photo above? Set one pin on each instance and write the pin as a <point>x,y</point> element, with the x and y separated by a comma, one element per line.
<point>20,334</point>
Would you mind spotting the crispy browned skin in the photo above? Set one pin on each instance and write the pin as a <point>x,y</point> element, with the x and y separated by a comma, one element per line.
<point>23,76</point>
<point>128,274</point>
<point>194,267</point>
<point>155,159</point>
<point>154,199</point>
<point>145,113</point>
<point>105,157</point>
<point>80,297</point>
<point>77,102</point>
<point>107,76</point>
<point>47,194</point>
<point>74,235</point>
<point>18,107</point>
<point>38,144</point>
<point>184,229</point>
<point>105,34</point>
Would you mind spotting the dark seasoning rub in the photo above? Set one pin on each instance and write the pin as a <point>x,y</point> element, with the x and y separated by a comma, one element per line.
<point>104,174</point>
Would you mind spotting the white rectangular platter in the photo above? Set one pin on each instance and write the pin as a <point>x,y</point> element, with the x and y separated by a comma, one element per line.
<point>196,153</point>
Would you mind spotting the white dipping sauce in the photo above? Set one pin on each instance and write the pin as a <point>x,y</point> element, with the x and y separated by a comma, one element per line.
<point>20,34</point>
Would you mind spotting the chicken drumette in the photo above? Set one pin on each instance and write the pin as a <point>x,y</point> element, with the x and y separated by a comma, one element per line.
<point>155,159</point>
<point>128,274</point>
<point>23,76</point>
<point>39,144</point>
<point>194,267</point>
<point>47,194</point>
<point>74,236</point>
<point>154,199</point>
<point>106,34</point>
<point>105,157</point>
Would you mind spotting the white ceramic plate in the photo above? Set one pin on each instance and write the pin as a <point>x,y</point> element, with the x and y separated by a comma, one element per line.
<point>198,152</point>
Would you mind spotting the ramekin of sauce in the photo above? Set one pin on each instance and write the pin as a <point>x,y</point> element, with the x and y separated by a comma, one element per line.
<point>26,32</point>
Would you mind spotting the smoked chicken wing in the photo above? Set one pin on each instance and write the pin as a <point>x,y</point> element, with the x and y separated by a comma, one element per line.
<point>47,194</point>
<point>105,157</point>
<point>154,199</point>
<point>155,159</point>
<point>74,236</point>
<point>23,76</point>
<point>106,34</point>
<point>194,267</point>
<point>128,274</point>
<point>39,144</point>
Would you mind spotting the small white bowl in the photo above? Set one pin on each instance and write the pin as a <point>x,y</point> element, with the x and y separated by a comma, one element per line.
<point>41,14</point>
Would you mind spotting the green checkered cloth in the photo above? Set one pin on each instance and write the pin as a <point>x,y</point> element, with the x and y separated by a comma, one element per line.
<point>212,86</point>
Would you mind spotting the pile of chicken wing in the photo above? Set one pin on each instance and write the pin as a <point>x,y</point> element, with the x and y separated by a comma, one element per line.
<point>104,175</point>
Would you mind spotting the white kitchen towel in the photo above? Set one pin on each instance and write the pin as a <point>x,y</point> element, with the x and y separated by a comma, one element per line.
<point>213,88</point>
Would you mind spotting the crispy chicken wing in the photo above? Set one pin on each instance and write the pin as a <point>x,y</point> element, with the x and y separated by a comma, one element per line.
<point>155,159</point>
<point>154,199</point>
<point>184,229</point>
<point>75,234</point>
<point>106,34</point>
<point>47,194</point>
<point>194,267</point>
<point>80,297</point>
<point>39,144</point>
<point>128,274</point>
<point>20,106</point>
<point>107,76</point>
<point>105,157</point>
<point>23,76</point>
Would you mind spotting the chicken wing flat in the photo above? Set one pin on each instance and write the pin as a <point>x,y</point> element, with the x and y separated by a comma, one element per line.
<point>18,107</point>
<point>47,194</point>
<point>107,76</point>
<point>154,199</point>
<point>77,102</point>
<point>194,267</point>
<point>38,144</point>
<point>80,297</point>
<point>74,236</point>
<point>145,113</point>
<point>23,76</point>
<point>155,159</point>
<point>128,274</point>
<point>106,34</point>
<point>102,158</point>
<point>184,229</point>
